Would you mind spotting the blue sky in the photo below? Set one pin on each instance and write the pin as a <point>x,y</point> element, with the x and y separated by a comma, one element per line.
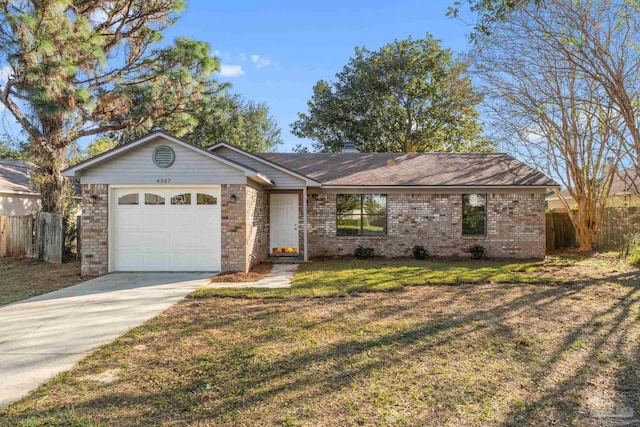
<point>274,52</point>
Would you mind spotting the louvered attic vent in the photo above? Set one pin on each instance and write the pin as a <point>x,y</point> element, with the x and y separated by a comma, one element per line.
<point>163,156</point>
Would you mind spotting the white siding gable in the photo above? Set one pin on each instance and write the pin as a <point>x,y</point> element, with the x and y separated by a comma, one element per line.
<point>280,179</point>
<point>136,166</point>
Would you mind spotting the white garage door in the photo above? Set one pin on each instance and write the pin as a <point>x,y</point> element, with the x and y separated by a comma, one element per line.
<point>165,229</point>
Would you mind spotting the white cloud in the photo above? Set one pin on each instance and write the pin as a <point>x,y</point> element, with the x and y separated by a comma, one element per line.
<point>231,70</point>
<point>260,61</point>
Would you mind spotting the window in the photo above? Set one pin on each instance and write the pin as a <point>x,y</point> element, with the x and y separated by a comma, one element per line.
<point>181,199</point>
<point>153,199</point>
<point>362,214</point>
<point>128,199</point>
<point>205,199</point>
<point>474,214</point>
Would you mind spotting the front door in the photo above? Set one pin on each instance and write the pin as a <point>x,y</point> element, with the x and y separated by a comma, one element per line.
<point>284,224</point>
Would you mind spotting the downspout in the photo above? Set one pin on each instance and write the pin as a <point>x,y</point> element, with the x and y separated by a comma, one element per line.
<point>304,220</point>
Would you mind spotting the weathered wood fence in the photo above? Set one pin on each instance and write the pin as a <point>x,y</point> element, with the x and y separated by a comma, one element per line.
<point>561,234</point>
<point>40,236</point>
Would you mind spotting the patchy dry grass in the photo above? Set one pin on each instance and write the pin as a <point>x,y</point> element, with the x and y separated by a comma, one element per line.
<point>463,354</point>
<point>258,272</point>
<point>25,278</point>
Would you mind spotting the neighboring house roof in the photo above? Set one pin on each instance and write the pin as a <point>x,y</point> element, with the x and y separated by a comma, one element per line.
<point>15,176</point>
<point>415,169</point>
<point>623,183</point>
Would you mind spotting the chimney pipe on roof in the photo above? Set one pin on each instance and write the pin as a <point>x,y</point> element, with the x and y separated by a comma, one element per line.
<point>349,147</point>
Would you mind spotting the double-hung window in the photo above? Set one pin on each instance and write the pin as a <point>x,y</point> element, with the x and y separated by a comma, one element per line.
<point>361,214</point>
<point>474,214</point>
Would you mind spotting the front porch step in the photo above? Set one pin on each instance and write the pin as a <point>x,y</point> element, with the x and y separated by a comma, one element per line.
<point>284,259</point>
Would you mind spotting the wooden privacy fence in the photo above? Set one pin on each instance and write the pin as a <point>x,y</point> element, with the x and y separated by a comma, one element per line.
<point>561,234</point>
<point>40,236</point>
<point>17,236</point>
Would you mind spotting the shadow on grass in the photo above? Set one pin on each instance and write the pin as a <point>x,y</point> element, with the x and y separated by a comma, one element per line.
<point>351,342</point>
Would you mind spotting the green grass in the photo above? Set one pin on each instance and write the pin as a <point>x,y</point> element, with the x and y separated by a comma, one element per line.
<point>337,278</point>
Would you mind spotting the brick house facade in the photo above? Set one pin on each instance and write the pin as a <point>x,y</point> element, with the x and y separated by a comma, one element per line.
<point>213,209</point>
<point>515,226</point>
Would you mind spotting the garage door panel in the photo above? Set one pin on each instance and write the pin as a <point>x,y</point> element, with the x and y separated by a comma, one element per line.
<point>166,237</point>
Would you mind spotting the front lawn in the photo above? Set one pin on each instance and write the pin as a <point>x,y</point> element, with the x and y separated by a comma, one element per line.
<point>461,354</point>
<point>331,278</point>
<point>26,278</point>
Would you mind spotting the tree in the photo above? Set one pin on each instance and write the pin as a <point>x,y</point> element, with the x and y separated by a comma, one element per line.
<point>410,95</point>
<point>222,117</point>
<point>243,123</point>
<point>550,109</point>
<point>9,151</point>
<point>100,145</point>
<point>85,68</point>
<point>301,149</point>
<point>490,13</point>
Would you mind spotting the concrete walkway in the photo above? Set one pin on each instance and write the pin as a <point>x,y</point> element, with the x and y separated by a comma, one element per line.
<point>48,334</point>
<point>279,277</point>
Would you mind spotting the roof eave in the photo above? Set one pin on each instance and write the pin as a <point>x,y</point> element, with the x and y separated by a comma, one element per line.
<point>308,181</point>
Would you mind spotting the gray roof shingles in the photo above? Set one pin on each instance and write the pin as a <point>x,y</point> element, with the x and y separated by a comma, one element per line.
<point>15,176</point>
<point>411,169</point>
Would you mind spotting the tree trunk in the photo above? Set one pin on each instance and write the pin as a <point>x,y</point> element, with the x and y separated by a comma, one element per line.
<point>587,238</point>
<point>51,183</point>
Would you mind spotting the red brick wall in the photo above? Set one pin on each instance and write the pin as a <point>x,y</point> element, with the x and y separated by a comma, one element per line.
<point>515,226</point>
<point>94,230</point>
<point>257,214</point>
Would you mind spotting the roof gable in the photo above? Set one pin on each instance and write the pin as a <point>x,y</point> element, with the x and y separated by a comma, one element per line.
<point>154,137</point>
<point>266,164</point>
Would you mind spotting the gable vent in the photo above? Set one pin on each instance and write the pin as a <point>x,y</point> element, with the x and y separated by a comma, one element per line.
<point>163,156</point>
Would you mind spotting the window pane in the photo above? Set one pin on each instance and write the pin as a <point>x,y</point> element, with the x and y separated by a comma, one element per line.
<point>128,199</point>
<point>375,204</point>
<point>474,224</point>
<point>349,225</point>
<point>181,199</point>
<point>348,204</point>
<point>474,203</point>
<point>374,225</point>
<point>474,214</point>
<point>205,199</point>
<point>153,199</point>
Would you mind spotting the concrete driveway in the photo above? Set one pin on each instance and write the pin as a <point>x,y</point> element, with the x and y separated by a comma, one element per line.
<point>48,334</point>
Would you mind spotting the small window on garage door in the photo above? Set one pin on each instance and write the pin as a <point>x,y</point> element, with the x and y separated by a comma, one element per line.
<point>128,199</point>
<point>206,199</point>
<point>181,199</point>
<point>153,199</point>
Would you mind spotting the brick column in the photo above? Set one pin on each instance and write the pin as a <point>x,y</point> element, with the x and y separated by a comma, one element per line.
<point>233,228</point>
<point>95,229</point>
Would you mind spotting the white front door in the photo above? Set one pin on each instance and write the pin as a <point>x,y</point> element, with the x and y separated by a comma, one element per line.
<point>165,229</point>
<point>284,223</point>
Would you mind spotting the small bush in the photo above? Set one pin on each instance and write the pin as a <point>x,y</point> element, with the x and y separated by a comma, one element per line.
<point>477,252</point>
<point>634,257</point>
<point>364,253</point>
<point>419,252</point>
